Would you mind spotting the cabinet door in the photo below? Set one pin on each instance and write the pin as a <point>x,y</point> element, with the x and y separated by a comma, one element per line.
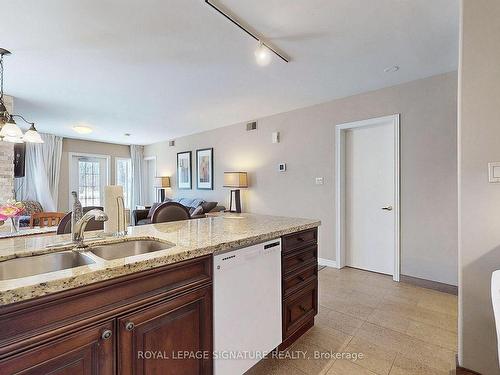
<point>300,308</point>
<point>173,337</point>
<point>87,352</point>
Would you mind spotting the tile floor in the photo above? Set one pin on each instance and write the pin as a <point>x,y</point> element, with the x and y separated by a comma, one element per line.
<point>399,329</point>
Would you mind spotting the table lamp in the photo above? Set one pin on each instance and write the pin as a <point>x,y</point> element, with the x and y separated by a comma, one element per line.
<point>235,181</point>
<point>163,183</point>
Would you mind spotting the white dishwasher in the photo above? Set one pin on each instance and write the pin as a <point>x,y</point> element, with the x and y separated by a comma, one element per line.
<point>247,306</point>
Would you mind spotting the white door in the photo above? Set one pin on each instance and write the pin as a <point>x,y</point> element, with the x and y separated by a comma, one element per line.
<point>369,197</point>
<point>88,177</point>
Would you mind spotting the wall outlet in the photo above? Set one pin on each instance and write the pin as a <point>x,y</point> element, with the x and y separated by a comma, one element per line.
<point>319,181</point>
<point>282,167</point>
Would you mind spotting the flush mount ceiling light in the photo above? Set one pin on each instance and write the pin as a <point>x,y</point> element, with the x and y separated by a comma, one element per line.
<point>82,129</point>
<point>9,130</point>
<point>263,52</point>
<point>391,69</point>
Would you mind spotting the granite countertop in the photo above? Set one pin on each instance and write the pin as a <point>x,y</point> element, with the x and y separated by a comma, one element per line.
<point>190,239</point>
<point>6,233</point>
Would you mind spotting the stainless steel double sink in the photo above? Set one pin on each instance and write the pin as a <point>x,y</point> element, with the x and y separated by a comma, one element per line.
<point>39,264</point>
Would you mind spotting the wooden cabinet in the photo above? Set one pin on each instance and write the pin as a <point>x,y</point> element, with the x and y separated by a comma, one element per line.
<point>89,351</point>
<point>299,264</point>
<point>300,308</point>
<point>297,280</point>
<point>152,322</point>
<point>166,309</point>
<point>300,239</point>
<point>168,338</point>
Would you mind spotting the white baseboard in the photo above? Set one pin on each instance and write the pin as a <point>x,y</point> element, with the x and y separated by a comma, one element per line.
<point>327,262</point>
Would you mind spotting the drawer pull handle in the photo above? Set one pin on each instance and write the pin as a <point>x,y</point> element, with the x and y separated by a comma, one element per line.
<point>302,259</point>
<point>106,334</point>
<point>302,278</point>
<point>300,239</point>
<point>129,326</point>
<point>302,308</point>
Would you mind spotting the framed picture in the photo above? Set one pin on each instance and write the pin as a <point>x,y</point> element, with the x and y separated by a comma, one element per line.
<point>184,170</point>
<point>205,169</point>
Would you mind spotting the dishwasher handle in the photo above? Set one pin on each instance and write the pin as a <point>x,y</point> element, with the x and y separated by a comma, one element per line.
<point>270,245</point>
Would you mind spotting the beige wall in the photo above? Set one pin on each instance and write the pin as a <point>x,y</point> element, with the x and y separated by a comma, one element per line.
<point>428,190</point>
<point>479,144</point>
<point>88,147</point>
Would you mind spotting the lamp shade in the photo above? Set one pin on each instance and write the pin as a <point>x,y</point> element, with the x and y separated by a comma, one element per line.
<point>32,135</point>
<point>235,179</point>
<point>165,182</point>
<point>13,139</point>
<point>10,129</point>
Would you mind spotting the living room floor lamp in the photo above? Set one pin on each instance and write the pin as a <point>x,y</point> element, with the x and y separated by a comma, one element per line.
<point>235,181</point>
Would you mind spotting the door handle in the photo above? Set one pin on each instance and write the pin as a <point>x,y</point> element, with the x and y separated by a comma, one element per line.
<point>387,208</point>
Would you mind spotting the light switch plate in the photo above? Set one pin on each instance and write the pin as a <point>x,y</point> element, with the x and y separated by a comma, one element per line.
<point>494,172</point>
<point>275,137</point>
<point>320,181</point>
<point>282,167</point>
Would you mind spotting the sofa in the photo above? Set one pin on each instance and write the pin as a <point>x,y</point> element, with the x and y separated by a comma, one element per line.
<point>197,209</point>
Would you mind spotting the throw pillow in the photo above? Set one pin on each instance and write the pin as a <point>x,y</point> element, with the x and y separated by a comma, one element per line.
<point>208,206</point>
<point>197,211</point>
<point>197,202</point>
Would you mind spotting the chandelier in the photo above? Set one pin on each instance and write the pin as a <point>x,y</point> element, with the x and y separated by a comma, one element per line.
<point>9,130</point>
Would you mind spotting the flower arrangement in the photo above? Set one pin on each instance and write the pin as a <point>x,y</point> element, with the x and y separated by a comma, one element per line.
<point>10,210</point>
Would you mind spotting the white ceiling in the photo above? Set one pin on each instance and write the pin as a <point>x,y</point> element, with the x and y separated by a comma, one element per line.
<point>159,69</point>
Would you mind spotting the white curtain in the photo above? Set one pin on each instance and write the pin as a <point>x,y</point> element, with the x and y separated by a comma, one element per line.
<point>42,166</point>
<point>137,156</point>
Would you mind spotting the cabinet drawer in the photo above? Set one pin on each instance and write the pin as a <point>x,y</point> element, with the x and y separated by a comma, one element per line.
<point>299,308</point>
<point>299,259</point>
<point>299,279</point>
<point>300,239</point>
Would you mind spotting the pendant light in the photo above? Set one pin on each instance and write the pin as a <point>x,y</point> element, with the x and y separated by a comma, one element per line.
<point>32,135</point>
<point>9,130</point>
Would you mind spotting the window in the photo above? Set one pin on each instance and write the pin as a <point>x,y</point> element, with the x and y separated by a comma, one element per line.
<point>89,191</point>
<point>124,178</point>
<point>88,177</point>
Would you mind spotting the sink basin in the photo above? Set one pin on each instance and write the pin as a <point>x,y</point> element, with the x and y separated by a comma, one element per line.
<point>38,264</point>
<point>128,248</point>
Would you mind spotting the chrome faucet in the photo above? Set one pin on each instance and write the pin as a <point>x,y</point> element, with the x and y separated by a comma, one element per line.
<point>80,225</point>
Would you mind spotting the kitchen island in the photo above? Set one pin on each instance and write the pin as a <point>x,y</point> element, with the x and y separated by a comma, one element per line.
<point>108,315</point>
